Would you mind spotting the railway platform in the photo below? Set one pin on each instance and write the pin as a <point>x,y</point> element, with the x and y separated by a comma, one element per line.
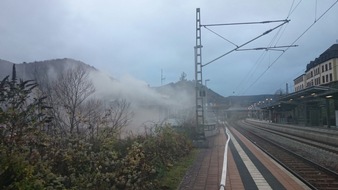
<point>247,167</point>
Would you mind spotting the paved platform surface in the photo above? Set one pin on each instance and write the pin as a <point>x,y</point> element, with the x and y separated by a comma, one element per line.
<point>247,167</point>
<point>206,171</point>
<point>210,171</point>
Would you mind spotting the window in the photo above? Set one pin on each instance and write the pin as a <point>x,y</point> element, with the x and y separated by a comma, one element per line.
<point>327,78</point>
<point>330,77</point>
<point>325,67</point>
<point>330,66</point>
<point>322,68</point>
<point>323,79</point>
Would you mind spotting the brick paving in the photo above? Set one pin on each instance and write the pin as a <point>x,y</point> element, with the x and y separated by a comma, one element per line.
<point>207,169</point>
<point>233,179</point>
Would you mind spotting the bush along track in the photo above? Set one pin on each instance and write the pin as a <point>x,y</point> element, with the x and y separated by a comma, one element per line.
<point>34,157</point>
<point>133,163</point>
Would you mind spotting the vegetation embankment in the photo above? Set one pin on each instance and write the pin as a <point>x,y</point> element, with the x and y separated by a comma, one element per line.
<point>53,138</point>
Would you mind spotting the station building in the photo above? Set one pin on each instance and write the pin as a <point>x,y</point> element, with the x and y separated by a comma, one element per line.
<point>314,101</point>
<point>322,71</point>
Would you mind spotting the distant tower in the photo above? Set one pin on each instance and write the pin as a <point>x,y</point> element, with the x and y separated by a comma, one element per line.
<point>287,88</point>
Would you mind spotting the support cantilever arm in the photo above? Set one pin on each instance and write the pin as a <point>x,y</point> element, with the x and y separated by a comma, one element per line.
<point>275,48</point>
<point>266,32</point>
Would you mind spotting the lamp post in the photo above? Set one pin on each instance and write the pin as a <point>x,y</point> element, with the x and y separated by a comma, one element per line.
<point>269,100</point>
<point>206,93</point>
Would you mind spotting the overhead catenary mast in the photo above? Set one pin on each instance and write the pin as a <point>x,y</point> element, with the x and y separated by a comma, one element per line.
<point>200,93</point>
<point>199,88</point>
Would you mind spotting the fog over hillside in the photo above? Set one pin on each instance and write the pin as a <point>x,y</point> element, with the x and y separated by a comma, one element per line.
<point>148,104</point>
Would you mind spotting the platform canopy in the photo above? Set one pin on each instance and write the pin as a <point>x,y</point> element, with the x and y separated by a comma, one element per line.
<point>311,94</point>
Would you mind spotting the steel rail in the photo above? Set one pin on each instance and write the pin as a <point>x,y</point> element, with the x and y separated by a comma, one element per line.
<point>310,163</point>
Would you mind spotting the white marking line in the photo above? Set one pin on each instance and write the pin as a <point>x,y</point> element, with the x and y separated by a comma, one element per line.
<point>256,175</point>
<point>225,162</point>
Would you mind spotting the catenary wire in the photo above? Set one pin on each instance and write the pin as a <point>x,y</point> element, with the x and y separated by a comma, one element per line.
<point>220,36</point>
<point>260,59</point>
<point>262,56</point>
<point>293,9</point>
<point>266,32</point>
<point>321,16</point>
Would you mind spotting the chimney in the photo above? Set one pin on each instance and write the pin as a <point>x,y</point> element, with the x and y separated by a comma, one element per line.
<point>287,88</point>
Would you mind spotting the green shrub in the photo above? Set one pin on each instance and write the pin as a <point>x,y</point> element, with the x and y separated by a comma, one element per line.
<point>31,158</point>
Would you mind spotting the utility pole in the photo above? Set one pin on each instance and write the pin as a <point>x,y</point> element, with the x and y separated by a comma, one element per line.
<point>200,92</point>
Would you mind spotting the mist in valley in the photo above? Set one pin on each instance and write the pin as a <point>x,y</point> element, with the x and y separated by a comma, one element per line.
<point>66,125</point>
<point>150,106</point>
<point>147,106</point>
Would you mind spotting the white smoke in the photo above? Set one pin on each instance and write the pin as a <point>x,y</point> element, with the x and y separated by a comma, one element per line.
<point>148,105</point>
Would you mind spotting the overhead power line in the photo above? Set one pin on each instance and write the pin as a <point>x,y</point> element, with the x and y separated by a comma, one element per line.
<point>301,35</point>
<point>265,33</point>
<point>274,41</point>
<point>292,10</point>
<point>220,36</point>
<point>275,48</point>
<point>244,23</point>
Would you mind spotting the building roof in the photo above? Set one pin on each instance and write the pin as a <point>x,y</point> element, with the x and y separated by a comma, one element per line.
<point>281,106</point>
<point>300,77</point>
<point>314,93</point>
<point>310,93</point>
<point>236,109</point>
<point>330,53</point>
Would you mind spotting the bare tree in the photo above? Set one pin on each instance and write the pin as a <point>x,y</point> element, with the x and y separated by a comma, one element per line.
<point>117,115</point>
<point>69,92</point>
<point>91,116</point>
<point>75,112</point>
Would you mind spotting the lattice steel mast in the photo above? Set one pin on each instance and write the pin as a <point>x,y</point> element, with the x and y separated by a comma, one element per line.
<point>200,89</point>
<point>200,93</point>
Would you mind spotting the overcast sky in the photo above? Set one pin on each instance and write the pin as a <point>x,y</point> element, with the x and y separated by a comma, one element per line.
<point>142,37</point>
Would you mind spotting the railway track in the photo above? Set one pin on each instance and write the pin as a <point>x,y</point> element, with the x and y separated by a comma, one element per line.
<point>329,133</point>
<point>312,142</point>
<point>312,174</point>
